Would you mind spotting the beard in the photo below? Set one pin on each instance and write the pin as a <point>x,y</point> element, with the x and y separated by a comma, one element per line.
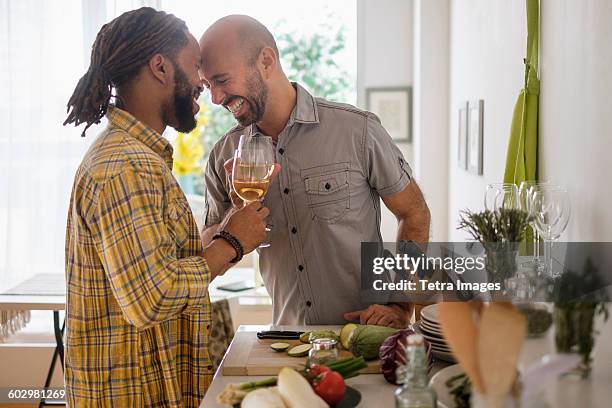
<point>181,108</point>
<point>256,99</point>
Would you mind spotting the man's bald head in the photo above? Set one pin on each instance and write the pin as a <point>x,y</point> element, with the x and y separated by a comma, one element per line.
<point>240,33</point>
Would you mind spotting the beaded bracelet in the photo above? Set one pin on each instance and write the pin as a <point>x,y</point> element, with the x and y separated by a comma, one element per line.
<point>233,241</point>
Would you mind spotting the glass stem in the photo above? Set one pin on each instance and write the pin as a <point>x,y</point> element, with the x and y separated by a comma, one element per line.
<point>548,257</point>
<point>536,244</point>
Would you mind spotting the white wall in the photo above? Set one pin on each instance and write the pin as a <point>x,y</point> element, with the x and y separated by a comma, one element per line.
<point>488,39</point>
<point>384,58</point>
<point>576,113</point>
<point>431,102</point>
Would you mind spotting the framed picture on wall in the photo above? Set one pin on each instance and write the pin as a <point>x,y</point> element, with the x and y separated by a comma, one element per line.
<point>393,105</point>
<point>475,136</point>
<point>463,136</point>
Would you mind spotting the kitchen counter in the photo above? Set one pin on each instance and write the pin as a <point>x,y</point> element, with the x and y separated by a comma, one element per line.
<point>563,392</point>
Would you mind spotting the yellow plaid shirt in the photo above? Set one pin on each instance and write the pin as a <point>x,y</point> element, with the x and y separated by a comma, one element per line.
<point>138,311</point>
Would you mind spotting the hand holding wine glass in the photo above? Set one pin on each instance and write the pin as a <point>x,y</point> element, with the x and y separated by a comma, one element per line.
<point>253,168</point>
<point>248,225</point>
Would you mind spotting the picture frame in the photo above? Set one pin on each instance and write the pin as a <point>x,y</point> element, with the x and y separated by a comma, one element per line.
<point>475,136</point>
<point>462,140</point>
<point>393,106</point>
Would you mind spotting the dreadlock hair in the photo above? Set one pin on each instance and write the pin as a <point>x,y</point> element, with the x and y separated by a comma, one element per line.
<point>122,47</point>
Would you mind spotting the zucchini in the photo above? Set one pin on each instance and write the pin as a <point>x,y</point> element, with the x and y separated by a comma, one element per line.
<point>345,334</point>
<point>304,337</point>
<point>366,340</point>
<point>300,351</point>
<point>279,346</point>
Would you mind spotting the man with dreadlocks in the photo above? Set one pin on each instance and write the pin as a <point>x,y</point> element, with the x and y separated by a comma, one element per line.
<point>137,274</point>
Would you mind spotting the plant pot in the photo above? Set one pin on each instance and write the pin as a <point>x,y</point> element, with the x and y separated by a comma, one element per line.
<point>501,261</point>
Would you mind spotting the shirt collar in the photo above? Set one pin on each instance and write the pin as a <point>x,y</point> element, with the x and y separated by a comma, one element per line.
<point>305,110</point>
<point>121,119</point>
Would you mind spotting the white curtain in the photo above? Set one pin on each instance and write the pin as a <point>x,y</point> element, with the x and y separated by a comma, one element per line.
<point>40,61</point>
<point>44,50</point>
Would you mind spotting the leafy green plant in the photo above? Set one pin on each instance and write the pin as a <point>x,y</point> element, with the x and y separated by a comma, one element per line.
<point>312,61</point>
<point>574,316</point>
<point>504,225</point>
<point>500,233</point>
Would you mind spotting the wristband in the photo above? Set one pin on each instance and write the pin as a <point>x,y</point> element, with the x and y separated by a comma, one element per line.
<point>233,241</point>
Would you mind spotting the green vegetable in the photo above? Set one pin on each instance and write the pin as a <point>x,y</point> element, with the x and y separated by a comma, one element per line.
<point>462,392</point>
<point>348,367</point>
<point>304,337</point>
<point>345,334</point>
<point>300,351</point>
<point>366,340</point>
<point>323,334</point>
<point>280,346</point>
<point>234,393</point>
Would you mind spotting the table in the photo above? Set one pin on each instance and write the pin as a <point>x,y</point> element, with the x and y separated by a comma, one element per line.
<point>45,291</point>
<point>563,392</point>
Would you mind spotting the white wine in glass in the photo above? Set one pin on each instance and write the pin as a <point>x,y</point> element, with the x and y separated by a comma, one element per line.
<point>252,169</point>
<point>251,181</point>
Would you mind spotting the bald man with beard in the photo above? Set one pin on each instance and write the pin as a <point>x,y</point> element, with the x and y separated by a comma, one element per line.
<point>337,164</point>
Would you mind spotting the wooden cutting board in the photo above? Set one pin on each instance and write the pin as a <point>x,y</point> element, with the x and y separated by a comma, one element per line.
<point>247,355</point>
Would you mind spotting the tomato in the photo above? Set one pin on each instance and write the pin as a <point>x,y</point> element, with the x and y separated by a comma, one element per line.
<point>330,387</point>
<point>318,369</point>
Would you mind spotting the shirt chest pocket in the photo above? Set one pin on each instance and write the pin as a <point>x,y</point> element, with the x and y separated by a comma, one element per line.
<point>178,222</point>
<point>327,191</point>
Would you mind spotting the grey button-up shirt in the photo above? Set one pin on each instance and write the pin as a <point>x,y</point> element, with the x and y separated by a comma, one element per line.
<point>336,162</point>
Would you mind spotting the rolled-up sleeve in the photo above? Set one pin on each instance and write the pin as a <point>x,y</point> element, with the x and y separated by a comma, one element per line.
<point>139,253</point>
<point>387,170</point>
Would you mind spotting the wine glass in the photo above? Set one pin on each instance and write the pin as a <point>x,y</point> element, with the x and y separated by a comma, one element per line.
<point>551,210</point>
<point>526,189</point>
<point>501,196</point>
<point>252,169</point>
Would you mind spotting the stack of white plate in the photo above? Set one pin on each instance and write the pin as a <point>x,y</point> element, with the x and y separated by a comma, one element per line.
<point>429,327</point>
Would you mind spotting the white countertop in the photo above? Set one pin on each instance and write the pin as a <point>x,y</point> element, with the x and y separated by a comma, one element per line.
<point>563,392</point>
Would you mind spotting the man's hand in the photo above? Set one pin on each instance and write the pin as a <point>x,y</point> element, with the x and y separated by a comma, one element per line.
<point>247,224</point>
<point>381,315</point>
<point>228,166</point>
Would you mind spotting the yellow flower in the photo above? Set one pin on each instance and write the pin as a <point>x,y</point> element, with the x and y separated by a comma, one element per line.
<point>188,149</point>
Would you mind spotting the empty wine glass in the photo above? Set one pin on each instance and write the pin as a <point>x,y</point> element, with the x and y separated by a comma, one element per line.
<point>501,196</point>
<point>551,211</point>
<point>526,189</point>
<point>252,169</point>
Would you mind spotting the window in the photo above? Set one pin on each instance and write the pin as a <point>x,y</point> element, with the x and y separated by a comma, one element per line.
<point>44,50</point>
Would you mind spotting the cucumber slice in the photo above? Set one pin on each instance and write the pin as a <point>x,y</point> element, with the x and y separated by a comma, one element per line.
<point>304,337</point>
<point>279,346</point>
<point>300,351</point>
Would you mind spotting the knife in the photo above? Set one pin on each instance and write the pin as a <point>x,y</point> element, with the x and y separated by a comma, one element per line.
<point>279,334</point>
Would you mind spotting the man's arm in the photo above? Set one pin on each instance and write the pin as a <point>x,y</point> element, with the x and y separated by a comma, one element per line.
<point>414,219</point>
<point>412,213</point>
<point>138,252</point>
